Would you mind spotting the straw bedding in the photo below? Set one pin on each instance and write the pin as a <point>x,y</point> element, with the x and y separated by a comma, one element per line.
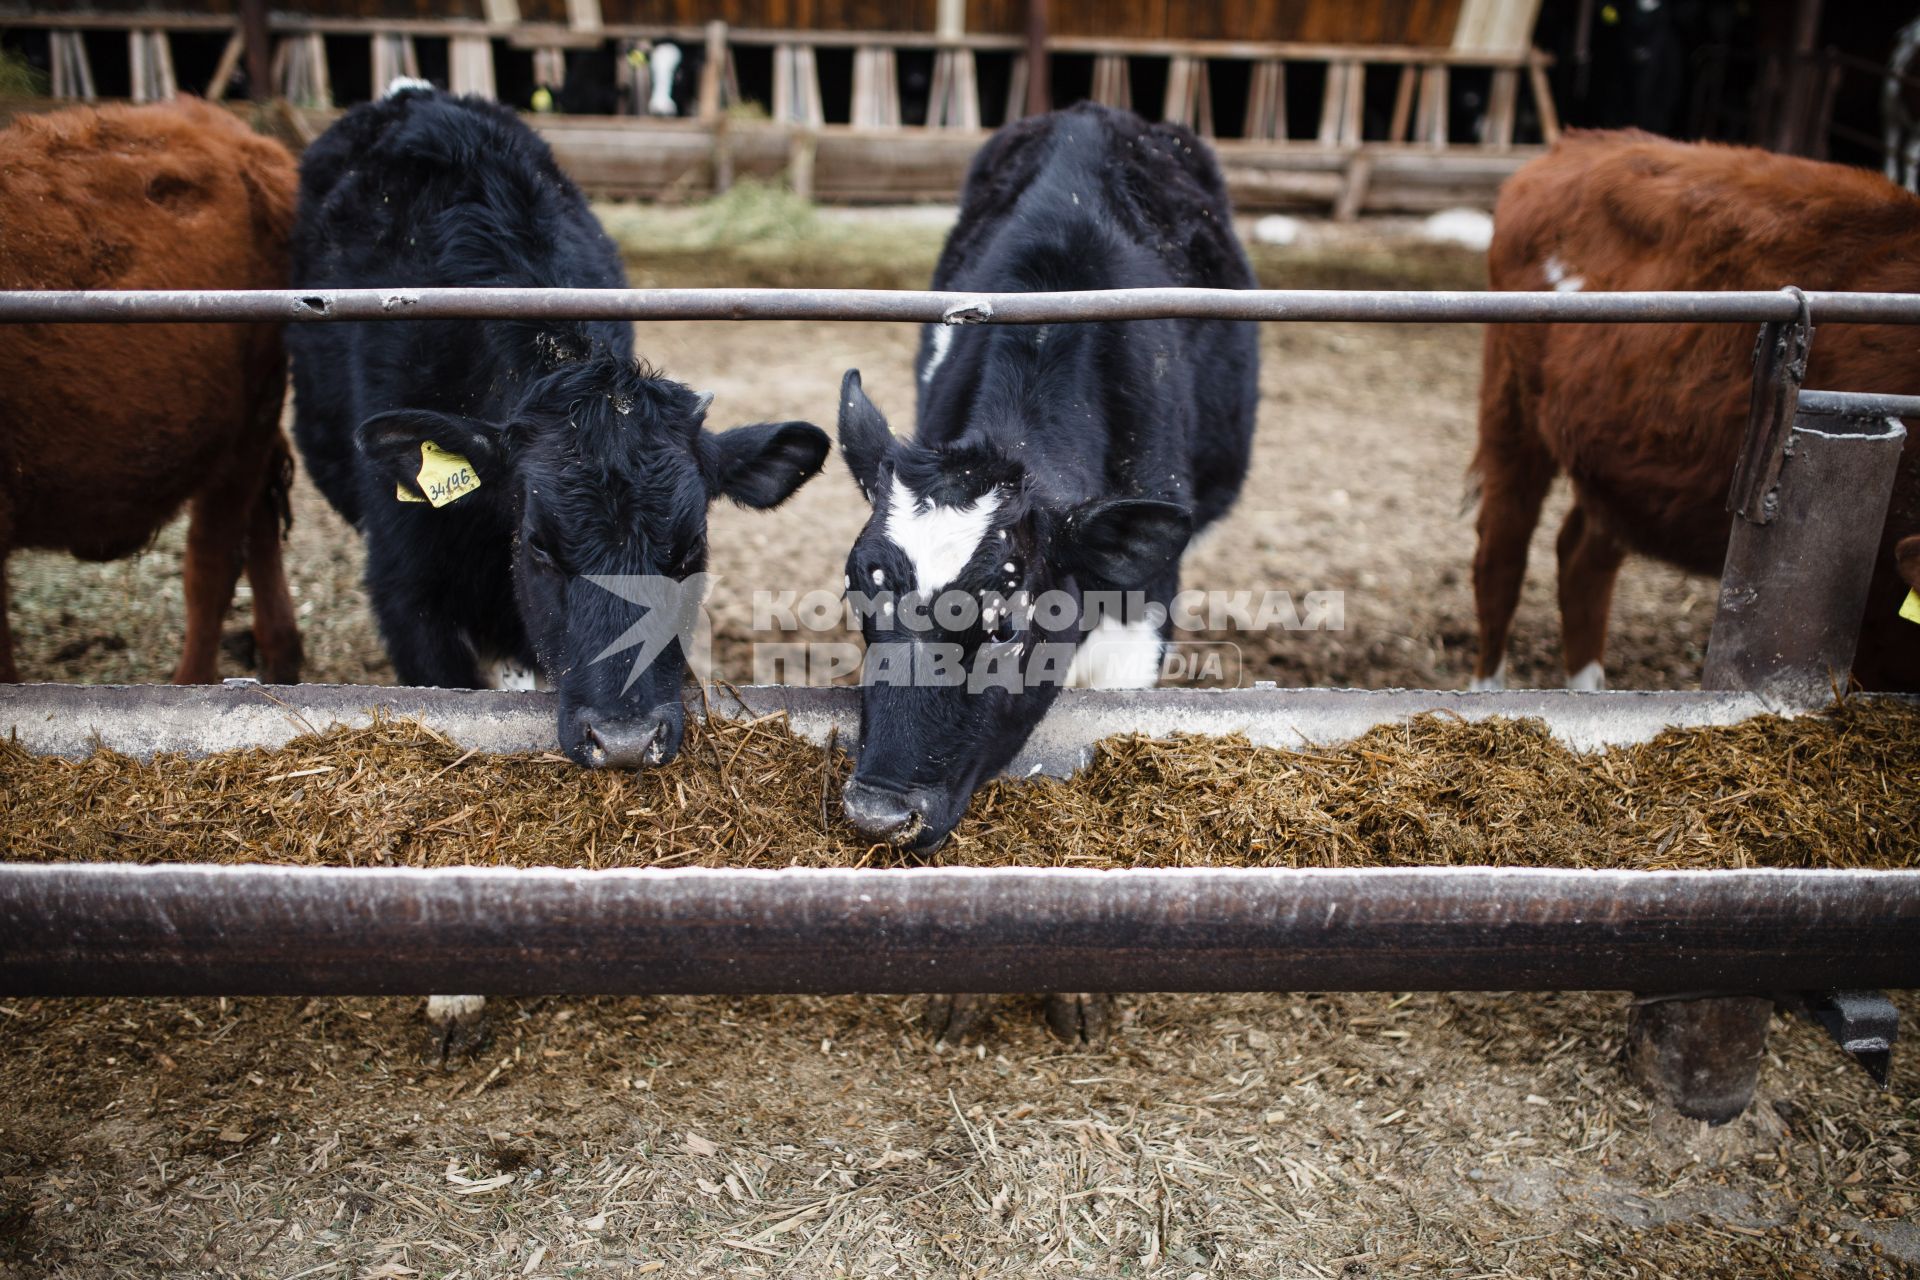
<point>1830,790</point>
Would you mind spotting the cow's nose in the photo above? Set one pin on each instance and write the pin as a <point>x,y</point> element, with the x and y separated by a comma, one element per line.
<point>894,817</point>
<point>637,742</point>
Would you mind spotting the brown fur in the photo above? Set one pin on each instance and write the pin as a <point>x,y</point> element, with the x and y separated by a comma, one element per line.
<point>108,430</point>
<point>1647,420</point>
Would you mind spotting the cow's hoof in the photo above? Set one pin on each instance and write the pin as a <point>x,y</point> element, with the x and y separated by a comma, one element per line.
<point>956,1018</point>
<point>456,1025</point>
<point>1081,1017</point>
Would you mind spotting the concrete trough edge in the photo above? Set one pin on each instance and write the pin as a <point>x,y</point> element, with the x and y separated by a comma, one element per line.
<point>140,720</point>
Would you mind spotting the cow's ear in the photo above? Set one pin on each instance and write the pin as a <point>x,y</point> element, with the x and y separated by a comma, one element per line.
<point>391,442</point>
<point>760,466</point>
<point>1906,554</point>
<point>865,437</point>
<point>1125,543</point>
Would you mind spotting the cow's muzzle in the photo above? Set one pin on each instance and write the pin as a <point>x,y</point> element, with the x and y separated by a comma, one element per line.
<point>899,818</point>
<point>635,742</point>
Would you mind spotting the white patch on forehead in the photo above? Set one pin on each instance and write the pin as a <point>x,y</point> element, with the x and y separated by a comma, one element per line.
<point>1117,655</point>
<point>942,341</point>
<point>938,540</point>
<point>1557,275</point>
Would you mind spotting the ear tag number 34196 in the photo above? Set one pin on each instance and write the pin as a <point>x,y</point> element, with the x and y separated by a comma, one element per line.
<point>444,477</point>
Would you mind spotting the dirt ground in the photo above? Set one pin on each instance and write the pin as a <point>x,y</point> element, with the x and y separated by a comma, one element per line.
<point>1304,1135</point>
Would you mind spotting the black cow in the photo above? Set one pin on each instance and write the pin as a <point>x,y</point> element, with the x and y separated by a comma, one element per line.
<point>588,464</point>
<point>1070,458</point>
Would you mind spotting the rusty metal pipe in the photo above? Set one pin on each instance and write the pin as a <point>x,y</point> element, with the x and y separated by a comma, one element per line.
<point>915,306</point>
<point>1798,567</point>
<point>179,930</point>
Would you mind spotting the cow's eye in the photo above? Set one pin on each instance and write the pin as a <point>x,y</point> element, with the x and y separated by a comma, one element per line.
<point>542,554</point>
<point>1002,631</point>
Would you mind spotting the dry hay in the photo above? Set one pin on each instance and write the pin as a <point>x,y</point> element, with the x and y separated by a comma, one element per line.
<point>1829,790</point>
<point>1239,1137</point>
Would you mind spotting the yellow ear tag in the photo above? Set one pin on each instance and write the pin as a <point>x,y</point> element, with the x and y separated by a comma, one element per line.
<point>444,477</point>
<point>1911,609</point>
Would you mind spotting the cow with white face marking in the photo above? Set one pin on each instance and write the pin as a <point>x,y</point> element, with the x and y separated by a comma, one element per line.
<point>1051,463</point>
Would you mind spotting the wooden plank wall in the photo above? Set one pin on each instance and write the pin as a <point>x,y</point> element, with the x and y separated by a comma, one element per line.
<point>1428,23</point>
<point>411,9</point>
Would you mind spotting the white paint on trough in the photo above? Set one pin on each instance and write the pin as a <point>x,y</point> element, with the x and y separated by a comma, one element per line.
<point>141,720</point>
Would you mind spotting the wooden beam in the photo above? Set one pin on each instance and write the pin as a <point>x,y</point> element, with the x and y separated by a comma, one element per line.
<point>713,71</point>
<point>1353,187</point>
<point>1266,101</point>
<point>1039,87</point>
<point>470,67</point>
<point>584,15</point>
<point>253,29</point>
<point>1113,83</point>
<point>955,100</point>
<point>228,64</point>
<point>1543,102</point>
<point>1502,99</point>
<point>1402,104</point>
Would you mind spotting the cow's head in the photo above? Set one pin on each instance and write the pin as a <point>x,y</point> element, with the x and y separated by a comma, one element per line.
<point>961,544</point>
<point>604,475</point>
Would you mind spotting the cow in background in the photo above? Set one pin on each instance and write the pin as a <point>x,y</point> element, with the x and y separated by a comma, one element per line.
<point>1647,420</point>
<point>107,430</point>
<point>1064,458</point>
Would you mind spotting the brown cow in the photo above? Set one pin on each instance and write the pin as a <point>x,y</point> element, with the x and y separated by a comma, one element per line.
<point>1647,419</point>
<point>107,430</point>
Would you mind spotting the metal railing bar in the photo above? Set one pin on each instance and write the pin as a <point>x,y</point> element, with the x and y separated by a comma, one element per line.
<point>1855,404</point>
<point>94,929</point>
<point>917,306</point>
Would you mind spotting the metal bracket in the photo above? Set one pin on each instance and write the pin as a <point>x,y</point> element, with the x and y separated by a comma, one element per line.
<point>1779,367</point>
<point>1863,1023</point>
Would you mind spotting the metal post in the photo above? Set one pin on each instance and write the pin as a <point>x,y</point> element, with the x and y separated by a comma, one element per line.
<point>1809,496</point>
<point>253,29</point>
<point>1699,1055</point>
<point>1800,561</point>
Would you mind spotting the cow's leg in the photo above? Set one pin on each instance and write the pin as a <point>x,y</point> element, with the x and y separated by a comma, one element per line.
<point>276,635</point>
<point>1589,564</point>
<point>216,532</point>
<point>456,1025</point>
<point>1084,1017</point>
<point>954,1018</point>
<point>427,647</point>
<point>1515,473</point>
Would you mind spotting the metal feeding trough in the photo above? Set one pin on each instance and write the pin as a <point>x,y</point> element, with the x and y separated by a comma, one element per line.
<point>1709,954</point>
<point>1704,949</point>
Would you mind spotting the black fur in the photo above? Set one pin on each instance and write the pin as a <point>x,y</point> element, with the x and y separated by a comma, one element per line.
<point>589,462</point>
<point>1110,443</point>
